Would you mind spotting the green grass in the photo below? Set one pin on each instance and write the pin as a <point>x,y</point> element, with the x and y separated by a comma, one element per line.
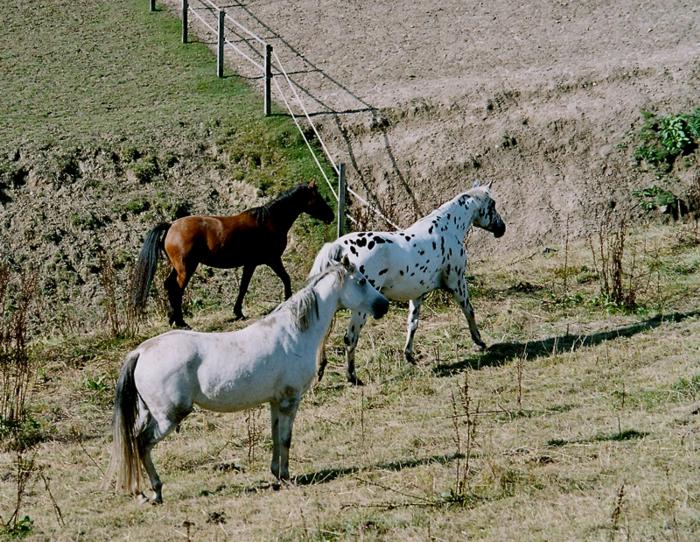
<point>102,74</point>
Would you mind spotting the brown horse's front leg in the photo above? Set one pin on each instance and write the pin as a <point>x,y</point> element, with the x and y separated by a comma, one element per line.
<point>245,281</point>
<point>281,272</point>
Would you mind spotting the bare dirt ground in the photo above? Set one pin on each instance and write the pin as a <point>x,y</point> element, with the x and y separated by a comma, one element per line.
<point>420,99</point>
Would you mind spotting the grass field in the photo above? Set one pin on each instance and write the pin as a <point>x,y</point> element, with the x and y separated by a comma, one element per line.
<point>579,422</point>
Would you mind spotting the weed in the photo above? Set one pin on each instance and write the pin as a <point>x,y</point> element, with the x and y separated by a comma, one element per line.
<point>664,139</point>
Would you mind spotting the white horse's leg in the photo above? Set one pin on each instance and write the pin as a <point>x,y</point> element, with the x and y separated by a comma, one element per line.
<point>153,432</point>
<point>457,285</point>
<point>156,484</point>
<point>412,324</point>
<point>352,335</point>
<point>274,428</point>
<point>287,413</point>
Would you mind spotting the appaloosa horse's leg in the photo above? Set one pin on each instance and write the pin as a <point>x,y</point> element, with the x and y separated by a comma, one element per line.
<point>281,272</point>
<point>456,284</point>
<point>242,289</point>
<point>412,324</point>
<point>352,335</point>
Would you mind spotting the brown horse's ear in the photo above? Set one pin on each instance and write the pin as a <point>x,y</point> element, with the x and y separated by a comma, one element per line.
<point>312,184</point>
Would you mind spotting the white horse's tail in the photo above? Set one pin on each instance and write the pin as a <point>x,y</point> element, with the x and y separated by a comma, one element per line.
<point>330,254</point>
<point>126,455</point>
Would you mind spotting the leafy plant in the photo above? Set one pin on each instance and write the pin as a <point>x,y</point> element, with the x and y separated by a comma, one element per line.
<point>663,139</point>
<point>655,197</point>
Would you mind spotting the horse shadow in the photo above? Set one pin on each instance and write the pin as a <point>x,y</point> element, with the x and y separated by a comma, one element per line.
<point>324,476</point>
<point>501,353</point>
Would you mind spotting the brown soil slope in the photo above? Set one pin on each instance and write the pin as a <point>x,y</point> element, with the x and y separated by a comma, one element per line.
<point>420,99</point>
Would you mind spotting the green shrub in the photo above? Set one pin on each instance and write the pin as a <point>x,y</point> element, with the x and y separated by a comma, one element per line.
<point>663,139</point>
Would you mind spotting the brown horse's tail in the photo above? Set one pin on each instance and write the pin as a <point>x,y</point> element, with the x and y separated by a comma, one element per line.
<point>126,457</point>
<point>146,267</point>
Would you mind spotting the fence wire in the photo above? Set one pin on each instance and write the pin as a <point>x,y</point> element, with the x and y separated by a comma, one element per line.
<point>211,8</point>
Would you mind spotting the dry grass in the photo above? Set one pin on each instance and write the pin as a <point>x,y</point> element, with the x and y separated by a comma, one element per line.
<point>587,420</point>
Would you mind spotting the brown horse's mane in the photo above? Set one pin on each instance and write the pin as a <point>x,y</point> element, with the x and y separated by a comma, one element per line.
<point>262,213</point>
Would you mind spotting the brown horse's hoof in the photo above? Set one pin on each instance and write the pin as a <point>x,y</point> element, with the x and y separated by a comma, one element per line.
<point>355,381</point>
<point>180,325</point>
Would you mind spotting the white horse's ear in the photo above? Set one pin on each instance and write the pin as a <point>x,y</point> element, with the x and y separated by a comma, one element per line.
<point>476,183</point>
<point>347,264</point>
<point>490,183</point>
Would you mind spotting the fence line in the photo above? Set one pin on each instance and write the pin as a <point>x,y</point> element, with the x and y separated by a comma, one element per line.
<point>268,76</point>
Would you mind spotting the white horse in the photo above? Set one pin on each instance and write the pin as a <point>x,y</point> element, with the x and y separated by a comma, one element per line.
<point>407,265</point>
<point>273,360</point>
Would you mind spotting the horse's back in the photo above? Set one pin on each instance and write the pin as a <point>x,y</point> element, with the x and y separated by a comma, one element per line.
<point>224,372</point>
<point>219,241</point>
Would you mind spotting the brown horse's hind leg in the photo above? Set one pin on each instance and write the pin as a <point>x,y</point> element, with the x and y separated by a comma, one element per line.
<point>175,286</point>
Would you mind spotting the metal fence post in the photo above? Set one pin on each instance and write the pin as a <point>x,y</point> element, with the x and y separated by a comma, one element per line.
<point>152,5</point>
<point>220,55</point>
<point>184,21</point>
<point>341,199</point>
<point>268,77</point>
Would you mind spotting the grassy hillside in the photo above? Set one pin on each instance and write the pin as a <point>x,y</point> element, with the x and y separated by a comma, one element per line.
<point>579,422</point>
<point>111,125</point>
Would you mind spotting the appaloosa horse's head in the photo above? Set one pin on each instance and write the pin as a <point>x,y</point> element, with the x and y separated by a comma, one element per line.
<point>487,216</point>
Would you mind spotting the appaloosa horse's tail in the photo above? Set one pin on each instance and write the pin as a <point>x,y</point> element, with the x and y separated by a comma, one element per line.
<point>146,267</point>
<point>126,453</point>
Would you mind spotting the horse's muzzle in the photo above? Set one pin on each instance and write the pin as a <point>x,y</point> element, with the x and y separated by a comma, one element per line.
<point>499,230</point>
<point>380,307</point>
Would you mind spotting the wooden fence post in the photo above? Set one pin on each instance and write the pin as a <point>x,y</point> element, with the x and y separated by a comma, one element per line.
<point>268,78</point>
<point>341,199</point>
<point>152,5</point>
<point>184,21</point>
<point>220,55</point>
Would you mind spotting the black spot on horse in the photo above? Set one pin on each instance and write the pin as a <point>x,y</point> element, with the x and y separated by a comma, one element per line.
<point>379,240</point>
<point>407,237</point>
<point>430,230</point>
<point>434,245</point>
<point>401,272</point>
<point>382,272</point>
<point>362,269</point>
<point>370,245</point>
<point>362,234</point>
<point>354,250</point>
<point>421,252</point>
<point>361,241</point>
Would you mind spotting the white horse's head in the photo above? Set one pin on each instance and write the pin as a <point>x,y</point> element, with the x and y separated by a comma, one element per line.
<point>358,294</point>
<point>487,216</point>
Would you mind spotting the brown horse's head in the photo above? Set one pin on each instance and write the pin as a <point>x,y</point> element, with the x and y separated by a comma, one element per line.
<point>315,205</point>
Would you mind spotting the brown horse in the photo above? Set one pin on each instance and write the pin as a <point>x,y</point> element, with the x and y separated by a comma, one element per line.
<point>257,236</point>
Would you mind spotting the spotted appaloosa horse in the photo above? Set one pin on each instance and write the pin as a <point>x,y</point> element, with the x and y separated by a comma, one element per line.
<point>257,236</point>
<point>407,265</point>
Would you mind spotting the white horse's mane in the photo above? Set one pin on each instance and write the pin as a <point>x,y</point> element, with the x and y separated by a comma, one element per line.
<point>304,304</point>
